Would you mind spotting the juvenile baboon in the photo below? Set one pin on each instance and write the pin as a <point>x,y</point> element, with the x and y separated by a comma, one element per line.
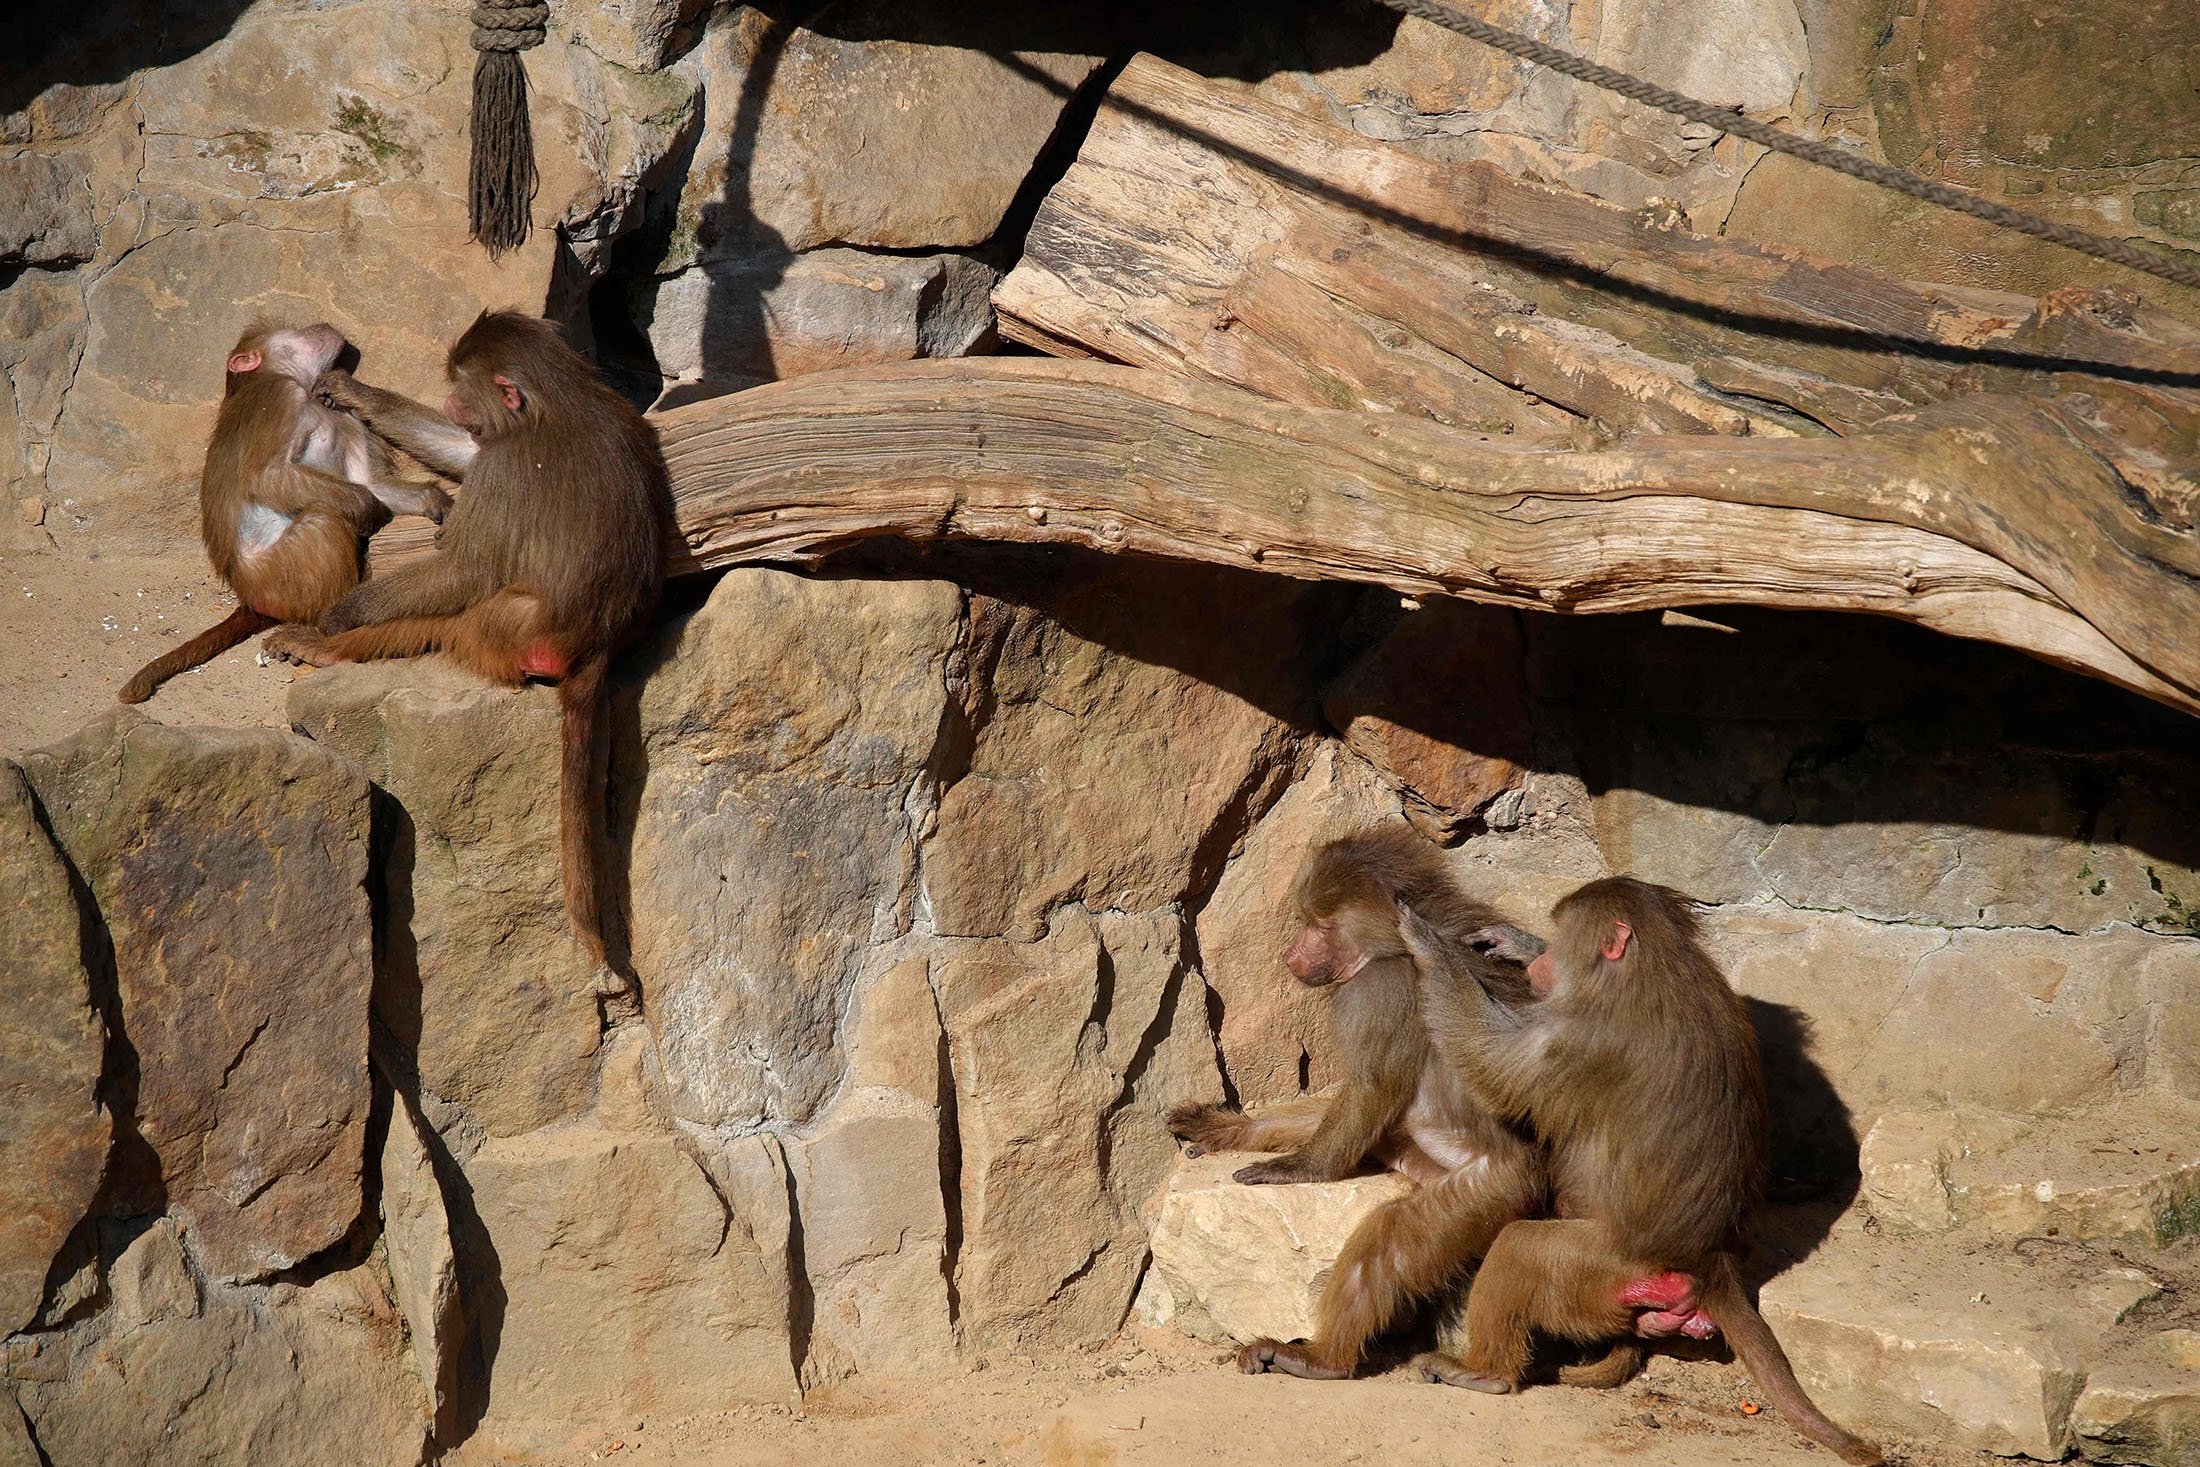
<point>289,490</point>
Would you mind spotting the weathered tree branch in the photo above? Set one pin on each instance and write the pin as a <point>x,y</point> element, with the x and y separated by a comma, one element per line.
<point>1893,522</point>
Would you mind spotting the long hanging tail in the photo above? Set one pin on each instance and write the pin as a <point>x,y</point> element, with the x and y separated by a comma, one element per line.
<point>1753,1340</point>
<point>207,645</point>
<point>580,695</point>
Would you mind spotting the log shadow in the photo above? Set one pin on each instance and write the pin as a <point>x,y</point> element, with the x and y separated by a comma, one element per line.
<point>1819,719</point>
<point>1788,717</point>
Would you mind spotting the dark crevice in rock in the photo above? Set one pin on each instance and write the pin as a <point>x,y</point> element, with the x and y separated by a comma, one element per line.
<point>133,1186</point>
<point>1103,992</point>
<point>1055,155</point>
<point>951,1163</point>
<point>30,1431</point>
<point>1077,1274</point>
<point>357,1244</point>
<point>1213,1009</point>
<point>479,1273</point>
<point>801,1293</point>
<point>1163,1024</point>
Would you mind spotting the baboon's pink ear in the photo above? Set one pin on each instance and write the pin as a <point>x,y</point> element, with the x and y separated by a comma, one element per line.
<point>512,395</point>
<point>244,361</point>
<point>1615,946</point>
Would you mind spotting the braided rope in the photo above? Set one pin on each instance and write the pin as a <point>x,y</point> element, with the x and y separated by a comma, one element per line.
<point>509,25</point>
<point>1825,155</point>
<point>501,178</point>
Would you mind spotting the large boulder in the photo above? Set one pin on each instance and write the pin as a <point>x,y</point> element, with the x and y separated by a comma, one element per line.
<point>1972,1346</point>
<point>482,982</point>
<point>629,1284</point>
<point>308,1376</point>
<point>785,760</point>
<point>1133,721</point>
<point>53,1148</point>
<point>732,323</point>
<point>1237,1263</point>
<point>2078,1008</point>
<point>870,1181</point>
<point>796,122</point>
<point>2112,1174</point>
<point>1066,1054</point>
<point>229,869</point>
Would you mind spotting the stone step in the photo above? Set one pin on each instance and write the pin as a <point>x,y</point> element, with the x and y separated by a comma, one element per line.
<point>1239,1263</point>
<point>2142,1403</point>
<point>2014,1347</point>
<point>1969,1343</point>
<point>2126,1172</point>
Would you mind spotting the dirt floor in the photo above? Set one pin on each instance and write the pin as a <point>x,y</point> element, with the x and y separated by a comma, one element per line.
<point>1153,1399</point>
<point>73,631</point>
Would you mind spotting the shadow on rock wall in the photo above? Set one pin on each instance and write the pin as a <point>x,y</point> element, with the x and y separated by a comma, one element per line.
<point>1783,719</point>
<point>741,274</point>
<point>102,41</point>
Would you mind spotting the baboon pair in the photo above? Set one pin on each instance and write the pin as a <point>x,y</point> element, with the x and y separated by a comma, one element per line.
<point>1610,1077</point>
<point>550,561</point>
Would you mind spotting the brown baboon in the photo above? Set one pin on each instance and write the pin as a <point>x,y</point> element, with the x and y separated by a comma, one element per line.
<point>1638,1067</point>
<point>550,563</point>
<point>289,489</point>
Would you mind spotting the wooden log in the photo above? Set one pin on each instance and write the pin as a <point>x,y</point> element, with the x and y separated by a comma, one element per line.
<point>1987,518</point>
<point>1187,197</point>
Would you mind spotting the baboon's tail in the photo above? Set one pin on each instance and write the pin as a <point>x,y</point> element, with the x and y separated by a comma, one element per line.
<point>1752,1338</point>
<point>207,645</point>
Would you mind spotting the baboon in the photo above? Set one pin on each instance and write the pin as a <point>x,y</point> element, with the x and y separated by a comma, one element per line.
<point>551,561</point>
<point>1638,1067</point>
<point>289,489</point>
<point>1401,1102</point>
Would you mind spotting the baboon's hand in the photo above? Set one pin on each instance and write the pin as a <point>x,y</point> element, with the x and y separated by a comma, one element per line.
<point>436,503</point>
<point>1504,941</point>
<point>338,389</point>
<point>1421,939</point>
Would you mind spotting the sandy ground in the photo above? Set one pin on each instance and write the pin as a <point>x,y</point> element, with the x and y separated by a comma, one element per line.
<point>73,631</point>
<point>1150,1399</point>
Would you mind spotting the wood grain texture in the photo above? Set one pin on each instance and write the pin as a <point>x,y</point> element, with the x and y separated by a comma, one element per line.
<point>2054,563</point>
<point>1206,231</point>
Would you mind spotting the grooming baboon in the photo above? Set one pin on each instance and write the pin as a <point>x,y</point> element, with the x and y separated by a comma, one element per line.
<point>1638,1067</point>
<point>551,561</point>
<point>1401,1101</point>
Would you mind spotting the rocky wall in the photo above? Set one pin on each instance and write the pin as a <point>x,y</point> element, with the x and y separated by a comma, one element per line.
<point>731,193</point>
<point>942,880</point>
<point>943,876</point>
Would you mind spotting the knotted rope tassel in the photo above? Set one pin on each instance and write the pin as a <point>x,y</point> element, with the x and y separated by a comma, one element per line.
<point>501,182</point>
